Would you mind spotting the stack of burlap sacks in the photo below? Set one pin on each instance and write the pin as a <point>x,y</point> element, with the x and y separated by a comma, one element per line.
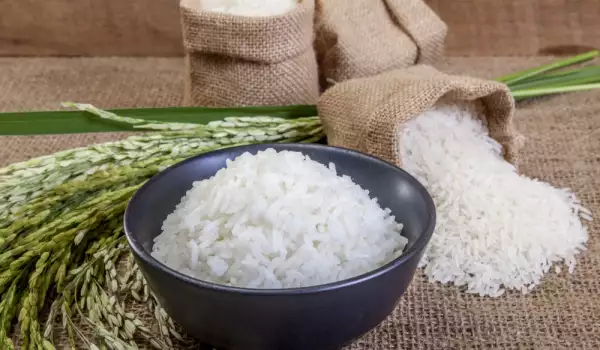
<point>371,57</point>
<point>562,137</point>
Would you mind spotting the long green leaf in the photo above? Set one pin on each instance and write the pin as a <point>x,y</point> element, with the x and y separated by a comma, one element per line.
<point>67,122</point>
<point>574,78</point>
<point>522,94</point>
<point>532,72</point>
<point>586,70</point>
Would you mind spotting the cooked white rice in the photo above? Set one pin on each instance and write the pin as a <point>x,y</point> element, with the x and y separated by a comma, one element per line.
<point>496,229</point>
<point>277,220</point>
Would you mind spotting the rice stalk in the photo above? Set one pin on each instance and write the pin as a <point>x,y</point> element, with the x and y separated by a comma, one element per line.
<point>61,231</point>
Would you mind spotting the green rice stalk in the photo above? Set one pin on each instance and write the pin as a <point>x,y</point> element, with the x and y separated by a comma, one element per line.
<point>29,314</point>
<point>23,181</point>
<point>61,230</point>
<point>8,310</point>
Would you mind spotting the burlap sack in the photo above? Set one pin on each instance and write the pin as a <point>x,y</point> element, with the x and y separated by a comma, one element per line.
<point>361,38</point>
<point>368,114</point>
<point>241,61</point>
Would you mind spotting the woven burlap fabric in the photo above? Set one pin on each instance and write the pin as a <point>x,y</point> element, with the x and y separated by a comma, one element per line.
<point>562,147</point>
<point>362,38</point>
<point>152,28</point>
<point>423,25</point>
<point>90,28</point>
<point>241,61</point>
<point>368,114</point>
<point>28,84</point>
<point>43,83</point>
<point>519,27</point>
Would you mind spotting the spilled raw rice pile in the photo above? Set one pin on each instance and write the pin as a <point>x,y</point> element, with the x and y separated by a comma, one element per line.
<point>496,229</point>
<point>277,220</point>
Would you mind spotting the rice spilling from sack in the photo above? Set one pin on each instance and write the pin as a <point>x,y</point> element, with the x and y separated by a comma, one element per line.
<point>277,220</point>
<point>496,229</point>
<point>250,8</point>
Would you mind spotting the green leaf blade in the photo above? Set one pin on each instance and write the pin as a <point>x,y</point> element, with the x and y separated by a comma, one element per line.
<point>536,71</point>
<point>68,122</point>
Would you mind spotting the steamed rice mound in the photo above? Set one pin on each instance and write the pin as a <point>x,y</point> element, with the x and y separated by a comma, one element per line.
<point>277,220</point>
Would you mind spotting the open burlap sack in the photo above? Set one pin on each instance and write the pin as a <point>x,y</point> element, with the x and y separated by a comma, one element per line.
<point>361,38</point>
<point>368,114</point>
<point>241,61</point>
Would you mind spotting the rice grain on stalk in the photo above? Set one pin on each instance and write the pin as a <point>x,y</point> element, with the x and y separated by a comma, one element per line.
<point>61,235</point>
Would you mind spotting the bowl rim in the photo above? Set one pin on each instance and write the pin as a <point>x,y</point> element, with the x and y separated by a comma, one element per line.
<point>141,254</point>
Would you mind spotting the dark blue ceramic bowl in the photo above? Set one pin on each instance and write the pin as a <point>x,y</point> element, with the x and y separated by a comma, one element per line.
<point>314,318</point>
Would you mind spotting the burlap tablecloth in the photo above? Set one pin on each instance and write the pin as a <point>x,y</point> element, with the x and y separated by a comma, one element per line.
<point>563,147</point>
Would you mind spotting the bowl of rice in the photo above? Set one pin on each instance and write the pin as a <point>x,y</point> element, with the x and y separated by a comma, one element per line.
<point>279,246</point>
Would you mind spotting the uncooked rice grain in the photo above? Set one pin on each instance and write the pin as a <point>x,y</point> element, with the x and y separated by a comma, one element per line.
<point>277,220</point>
<point>251,8</point>
<point>496,229</point>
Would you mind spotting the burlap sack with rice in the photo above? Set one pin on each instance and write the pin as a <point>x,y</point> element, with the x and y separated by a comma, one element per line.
<point>361,38</point>
<point>368,114</point>
<point>242,61</point>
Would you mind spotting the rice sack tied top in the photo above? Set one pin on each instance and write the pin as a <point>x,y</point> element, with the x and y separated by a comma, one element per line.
<point>277,220</point>
<point>362,38</point>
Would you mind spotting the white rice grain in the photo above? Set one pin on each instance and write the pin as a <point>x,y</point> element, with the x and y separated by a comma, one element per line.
<point>277,220</point>
<point>250,8</point>
<point>496,229</point>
